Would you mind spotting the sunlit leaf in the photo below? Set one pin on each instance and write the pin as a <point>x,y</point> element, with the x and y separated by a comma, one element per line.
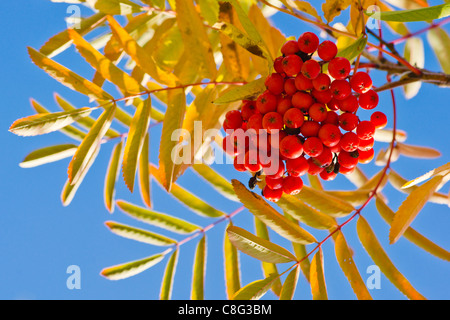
<point>48,155</point>
<point>289,285</point>
<point>397,27</point>
<point>333,8</point>
<point>422,14</point>
<point>440,43</point>
<point>209,10</point>
<point>261,209</point>
<point>144,173</point>
<point>314,182</point>
<point>256,289</point>
<point>317,277</point>
<point>122,7</point>
<point>169,273</point>
<point>245,92</point>
<point>112,174</point>
<point>385,135</point>
<point>324,202</point>
<point>138,234</point>
<point>231,267</point>
<point>411,207</point>
<point>354,49</point>
<point>347,264</point>
<point>441,171</point>
<point>306,7</point>
<point>198,272</point>
<point>414,53</point>
<point>129,269</point>
<point>417,151</point>
<point>157,219</point>
<point>217,181</point>
<point>257,247</point>
<point>378,255</point>
<point>406,4</point>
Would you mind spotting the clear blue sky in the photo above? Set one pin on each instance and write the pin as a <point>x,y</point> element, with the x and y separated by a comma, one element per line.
<point>39,238</point>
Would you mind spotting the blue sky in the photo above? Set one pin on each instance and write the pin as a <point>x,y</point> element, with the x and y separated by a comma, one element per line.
<point>40,238</point>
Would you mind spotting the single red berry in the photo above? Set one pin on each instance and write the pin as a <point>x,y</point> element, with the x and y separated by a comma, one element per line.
<point>330,135</point>
<point>339,68</point>
<point>292,64</point>
<point>239,166</point>
<point>274,183</point>
<point>278,64</point>
<point>334,104</point>
<point>289,86</point>
<point>308,42</point>
<point>340,89</point>
<point>240,140</point>
<point>368,100</point>
<point>318,112</point>
<point>311,69</point>
<point>272,121</point>
<point>313,168</point>
<point>259,142</point>
<point>365,130</point>
<point>361,82</point>
<point>324,159</point>
<point>251,162</point>
<point>331,118</point>
<point>336,148</point>
<point>233,120</point>
<point>322,82</point>
<point>349,142</point>
<point>293,118</point>
<point>274,170</point>
<point>328,176</point>
<point>365,145</point>
<point>248,109</point>
<point>302,83</point>
<point>292,185</point>
<point>255,122</point>
<point>327,50</point>
<point>228,146</point>
<point>313,146</point>
<point>290,47</point>
<point>302,100</point>
<point>366,156</point>
<point>349,104</point>
<point>379,119</point>
<point>275,83</point>
<point>266,102</point>
<point>346,171</point>
<point>347,159</point>
<point>283,105</point>
<point>348,121</point>
<point>297,167</point>
<point>275,139</point>
<point>324,96</point>
<point>291,147</point>
<point>272,194</point>
<point>310,129</point>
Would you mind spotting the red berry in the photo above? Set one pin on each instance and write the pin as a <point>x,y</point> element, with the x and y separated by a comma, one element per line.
<point>339,68</point>
<point>348,121</point>
<point>308,42</point>
<point>313,168</point>
<point>347,159</point>
<point>239,166</point>
<point>266,102</point>
<point>228,146</point>
<point>328,176</point>
<point>278,64</point>
<point>349,104</point>
<point>293,118</point>
<point>361,82</point>
<point>251,162</point>
<point>340,89</point>
<point>233,119</point>
<point>368,100</point>
<point>248,109</point>
<point>325,158</point>
<point>290,47</point>
<point>255,122</point>
<point>275,83</point>
<point>324,96</point>
<point>311,69</point>
<point>318,112</point>
<point>271,194</point>
<point>274,183</point>
<point>349,142</point>
<point>292,185</point>
<point>276,138</point>
<point>297,167</point>
<point>345,170</point>
<point>332,118</point>
<point>292,64</point>
<point>365,145</point>
<point>313,146</point>
<point>289,86</point>
<point>379,119</point>
<point>310,129</point>
<point>272,121</point>
<point>274,170</point>
<point>330,135</point>
<point>366,156</point>
<point>334,104</point>
<point>291,147</point>
<point>302,83</point>
<point>322,82</point>
<point>283,105</point>
<point>302,100</point>
<point>327,50</point>
<point>365,130</point>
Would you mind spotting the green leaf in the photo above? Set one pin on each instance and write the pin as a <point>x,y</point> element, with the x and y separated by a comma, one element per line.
<point>144,173</point>
<point>129,269</point>
<point>347,264</point>
<point>139,234</point>
<point>257,247</point>
<point>157,219</point>
<point>354,49</point>
<point>412,235</point>
<point>112,173</point>
<point>440,43</point>
<point>410,208</point>
<point>198,272</point>
<point>231,267</point>
<point>256,289</point>
<point>122,7</point>
<point>67,77</point>
<point>422,14</point>
<point>193,202</point>
<point>90,144</point>
<point>378,255</point>
<point>209,10</point>
<point>135,142</point>
<point>317,277</point>
<point>247,91</point>
<point>305,214</point>
<point>48,155</point>
<point>47,122</point>
<point>218,182</point>
<point>261,209</point>
<point>289,285</point>
<point>61,41</point>
<point>169,273</point>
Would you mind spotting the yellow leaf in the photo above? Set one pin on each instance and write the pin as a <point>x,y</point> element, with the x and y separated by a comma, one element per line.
<point>411,207</point>
<point>417,151</point>
<point>144,173</point>
<point>333,8</point>
<point>198,272</point>
<point>306,7</point>
<point>378,255</point>
<point>317,277</point>
<point>324,202</point>
<point>139,234</point>
<point>232,268</point>
<point>441,171</point>
<point>129,269</point>
<point>112,173</point>
<point>169,273</point>
<point>289,285</point>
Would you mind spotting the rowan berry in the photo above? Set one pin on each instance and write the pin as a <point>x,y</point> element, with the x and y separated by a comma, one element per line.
<point>233,120</point>
<point>328,176</point>
<point>368,100</point>
<point>272,121</point>
<point>313,147</point>
<point>302,100</point>
<point>340,89</point>
<point>365,145</point>
<point>366,156</point>
<point>349,104</point>
<point>292,185</point>
<point>324,159</point>
<point>293,118</point>
<point>327,50</point>
<point>361,82</point>
<point>302,83</point>
<point>297,167</point>
<point>292,64</point>
<point>274,171</point>
<point>322,96</point>
<point>348,121</point>
<point>318,112</point>
<point>365,130</point>
<point>272,194</point>
<point>255,122</point>
<point>291,147</point>
<point>289,86</point>
<point>347,159</point>
<point>229,146</point>
<point>345,170</point>
<point>248,109</point>
<point>339,68</point>
<point>308,42</point>
<point>274,183</point>
<point>333,104</point>
<point>310,129</point>
<point>251,162</point>
<point>278,65</point>
<point>275,83</point>
<point>290,47</point>
<point>313,168</point>
<point>266,102</point>
<point>379,119</point>
<point>331,118</point>
<point>276,138</point>
<point>349,142</point>
<point>321,82</point>
<point>283,105</point>
<point>311,69</point>
<point>330,135</point>
<point>239,166</point>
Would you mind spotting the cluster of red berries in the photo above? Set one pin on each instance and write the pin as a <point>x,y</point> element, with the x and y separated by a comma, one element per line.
<point>309,116</point>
